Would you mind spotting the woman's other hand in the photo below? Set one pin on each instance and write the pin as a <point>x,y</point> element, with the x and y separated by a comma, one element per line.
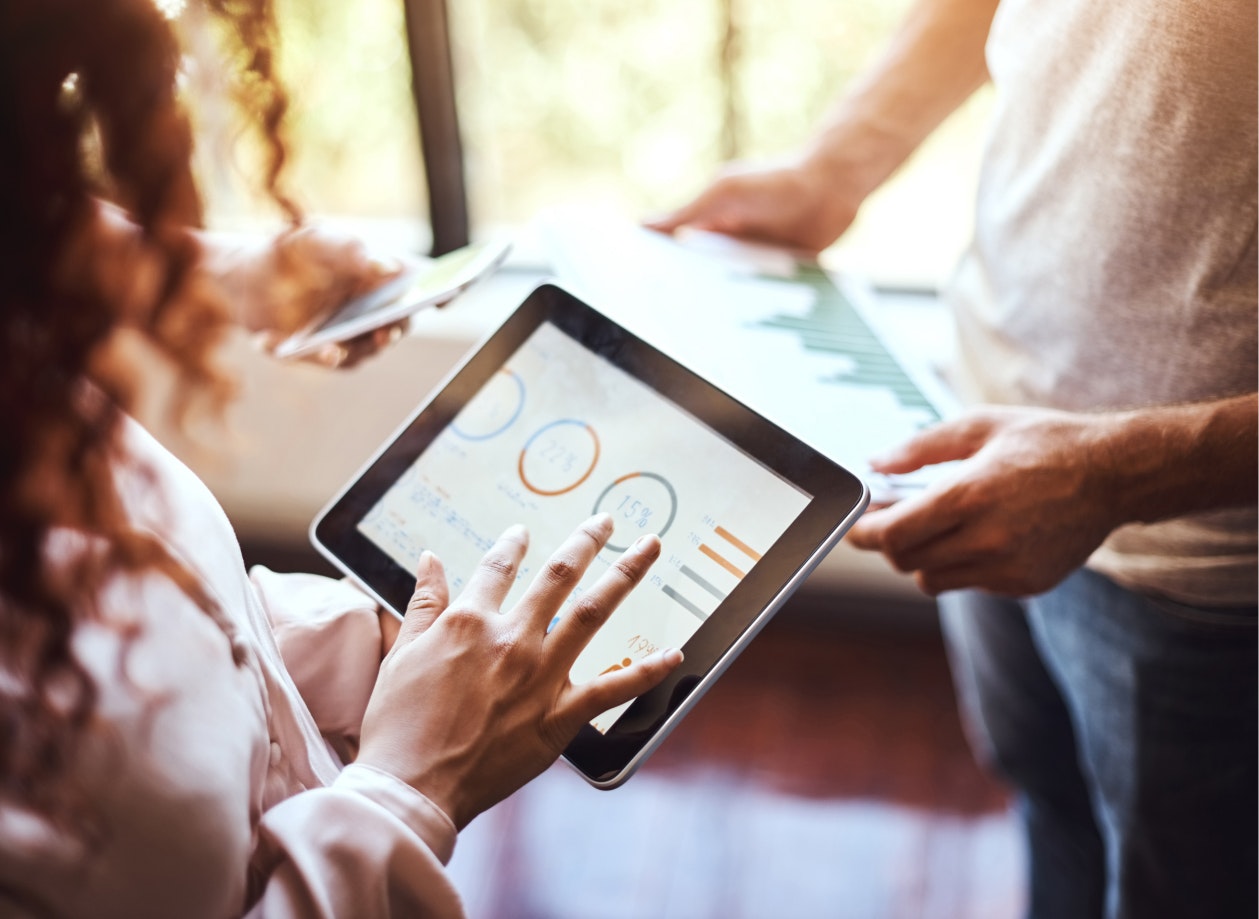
<point>472,703</point>
<point>279,285</point>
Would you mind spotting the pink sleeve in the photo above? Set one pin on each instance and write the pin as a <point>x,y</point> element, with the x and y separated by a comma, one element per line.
<point>367,846</point>
<point>328,632</point>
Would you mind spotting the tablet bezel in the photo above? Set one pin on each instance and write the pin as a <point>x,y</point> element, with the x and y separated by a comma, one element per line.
<point>838,498</point>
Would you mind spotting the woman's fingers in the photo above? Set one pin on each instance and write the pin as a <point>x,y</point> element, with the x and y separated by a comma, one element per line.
<point>496,573</point>
<point>498,704</point>
<point>430,597</point>
<point>582,620</point>
<point>351,352</point>
<point>390,334</point>
<point>563,570</point>
<point>592,609</point>
<point>587,701</point>
<point>373,270</point>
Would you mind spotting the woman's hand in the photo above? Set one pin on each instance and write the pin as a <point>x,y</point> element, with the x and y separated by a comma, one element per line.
<point>472,703</point>
<point>277,286</point>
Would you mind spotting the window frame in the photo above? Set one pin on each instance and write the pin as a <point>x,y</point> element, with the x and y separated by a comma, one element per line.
<point>433,88</point>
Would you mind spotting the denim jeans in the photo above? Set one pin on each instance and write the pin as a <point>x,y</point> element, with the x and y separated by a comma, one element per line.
<point>1127,726</point>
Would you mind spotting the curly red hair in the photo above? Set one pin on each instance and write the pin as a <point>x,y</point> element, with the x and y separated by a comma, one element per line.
<point>89,108</point>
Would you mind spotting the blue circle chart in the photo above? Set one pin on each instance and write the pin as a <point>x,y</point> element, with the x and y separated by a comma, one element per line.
<point>644,497</point>
<point>493,409</point>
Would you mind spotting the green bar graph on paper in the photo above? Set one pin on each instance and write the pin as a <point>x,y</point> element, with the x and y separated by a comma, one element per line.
<point>834,326</point>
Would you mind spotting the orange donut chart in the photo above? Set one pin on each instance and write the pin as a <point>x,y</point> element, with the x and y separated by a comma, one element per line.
<point>548,493</point>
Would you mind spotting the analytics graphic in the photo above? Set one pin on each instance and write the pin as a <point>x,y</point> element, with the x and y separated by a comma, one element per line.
<point>561,433</point>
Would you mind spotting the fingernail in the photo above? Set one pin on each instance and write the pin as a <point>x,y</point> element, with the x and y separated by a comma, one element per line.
<point>602,521</point>
<point>333,354</point>
<point>384,265</point>
<point>648,543</point>
<point>425,563</point>
<point>516,532</point>
<point>671,656</point>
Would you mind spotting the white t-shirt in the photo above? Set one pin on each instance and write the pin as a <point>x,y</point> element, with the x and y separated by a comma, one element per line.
<point>1114,259</point>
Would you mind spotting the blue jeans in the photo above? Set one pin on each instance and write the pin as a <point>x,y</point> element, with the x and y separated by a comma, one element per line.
<point>1127,726</point>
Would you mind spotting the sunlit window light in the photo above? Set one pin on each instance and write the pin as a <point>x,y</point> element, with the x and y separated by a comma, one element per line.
<point>171,9</point>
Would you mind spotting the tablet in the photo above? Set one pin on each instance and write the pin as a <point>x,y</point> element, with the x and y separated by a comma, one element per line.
<point>429,284</point>
<point>561,413</point>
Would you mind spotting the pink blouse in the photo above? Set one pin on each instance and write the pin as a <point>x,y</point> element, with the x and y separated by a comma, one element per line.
<point>217,786</point>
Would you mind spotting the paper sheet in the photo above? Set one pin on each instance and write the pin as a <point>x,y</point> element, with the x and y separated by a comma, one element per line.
<point>780,335</point>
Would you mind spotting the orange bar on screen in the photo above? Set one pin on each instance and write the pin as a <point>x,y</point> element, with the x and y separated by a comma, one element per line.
<point>738,543</point>
<point>721,561</point>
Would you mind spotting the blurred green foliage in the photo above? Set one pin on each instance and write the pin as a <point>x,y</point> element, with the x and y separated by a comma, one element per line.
<point>351,127</point>
<point>633,106</point>
<point>625,104</point>
<point>560,98</point>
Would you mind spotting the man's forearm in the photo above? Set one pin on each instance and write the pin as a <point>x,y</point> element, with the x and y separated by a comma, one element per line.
<point>934,62</point>
<point>1185,458</point>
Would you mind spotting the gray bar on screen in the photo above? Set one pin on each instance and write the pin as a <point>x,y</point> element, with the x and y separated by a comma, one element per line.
<point>683,602</point>
<point>720,595</point>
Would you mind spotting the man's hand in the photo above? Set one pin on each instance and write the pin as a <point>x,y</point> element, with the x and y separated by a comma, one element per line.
<point>792,204</point>
<point>1040,490</point>
<point>1034,499</point>
<point>933,62</point>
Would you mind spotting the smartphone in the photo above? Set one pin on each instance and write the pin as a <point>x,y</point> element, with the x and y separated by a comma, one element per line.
<point>429,284</point>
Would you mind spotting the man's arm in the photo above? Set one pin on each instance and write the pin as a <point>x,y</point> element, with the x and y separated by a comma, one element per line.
<point>1040,490</point>
<point>1185,458</point>
<point>934,62</point>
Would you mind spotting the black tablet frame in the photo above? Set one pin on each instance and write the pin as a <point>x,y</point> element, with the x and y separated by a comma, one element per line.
<point>838,498</point>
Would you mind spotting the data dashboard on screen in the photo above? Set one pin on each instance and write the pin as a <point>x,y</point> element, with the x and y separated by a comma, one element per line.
<point>559,433</point>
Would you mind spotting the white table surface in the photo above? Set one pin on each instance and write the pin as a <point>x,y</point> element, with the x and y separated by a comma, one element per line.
<point>297,433</point>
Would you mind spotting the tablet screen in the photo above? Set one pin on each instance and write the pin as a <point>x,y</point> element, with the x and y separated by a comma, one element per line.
<point>558,433</point>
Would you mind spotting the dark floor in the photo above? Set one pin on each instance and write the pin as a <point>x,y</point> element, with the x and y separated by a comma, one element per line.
<point>825,775</point>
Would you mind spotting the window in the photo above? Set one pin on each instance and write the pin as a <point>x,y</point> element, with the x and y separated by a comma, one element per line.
<point>631,106</point>
<point>635,106</point>
<point>355,151</point>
